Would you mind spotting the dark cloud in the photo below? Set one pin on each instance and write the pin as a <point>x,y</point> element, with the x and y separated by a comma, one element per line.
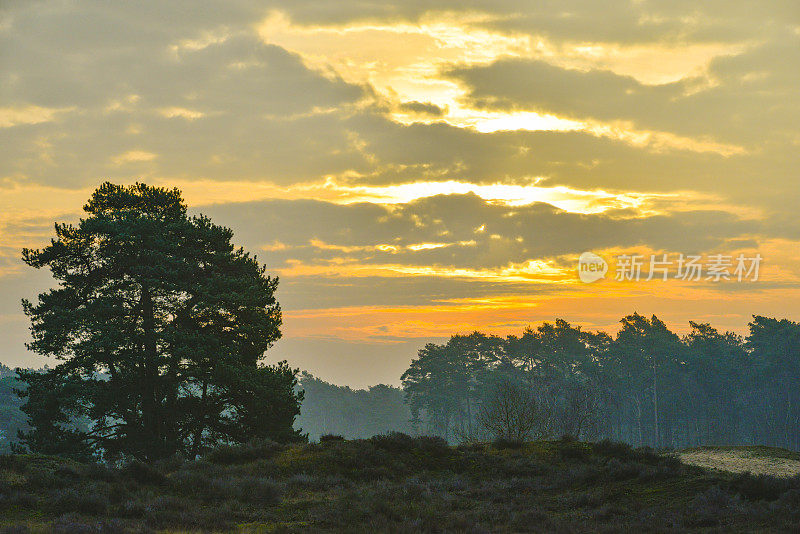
<point>479,234</point>
<point>748,102</point>
<point>425,108</point>
<point>619,21</point>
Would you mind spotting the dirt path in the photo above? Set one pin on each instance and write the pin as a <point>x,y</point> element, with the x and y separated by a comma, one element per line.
<point>743,459</point>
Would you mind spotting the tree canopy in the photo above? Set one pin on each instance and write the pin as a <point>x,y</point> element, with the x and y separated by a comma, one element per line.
<point>646,385</point>
<point>161,325</point>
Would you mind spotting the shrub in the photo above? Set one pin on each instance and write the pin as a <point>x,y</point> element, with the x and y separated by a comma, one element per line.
<point>393,441</point>
<point>326,438</point>
<point>83,501</point>
<point>99,472</point>
<point>760,487</point>
<point>614,449</point>
<point>617,470</point>
<point>432,446</point>
<point>39,478</point>
<point>67,472</point>
<point>21,499</point>
<point>143,474</point>
<point>244,453</point>
<point>248,488</point>
<point>647,455</point>
<point>503,443</point>
<point>304,481</point>
<point>71,524</point>
<point>257,490</point>
<point>712,507</point>
<point>572,450</point>
<point>170,464</point>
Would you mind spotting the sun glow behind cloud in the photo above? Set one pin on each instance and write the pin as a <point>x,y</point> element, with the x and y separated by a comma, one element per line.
<point>405,64</point>
<point>204,192</point>
<point>376,158</point>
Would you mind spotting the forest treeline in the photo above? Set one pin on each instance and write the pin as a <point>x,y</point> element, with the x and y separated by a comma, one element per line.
<point>645,386</point>
<point>351,413</point>
<point>326,409</point>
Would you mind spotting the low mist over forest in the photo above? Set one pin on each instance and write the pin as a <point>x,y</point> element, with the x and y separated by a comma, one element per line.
<point>644,386</point>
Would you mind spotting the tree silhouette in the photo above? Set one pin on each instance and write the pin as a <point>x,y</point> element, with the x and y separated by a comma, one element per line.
<point>160,323</point>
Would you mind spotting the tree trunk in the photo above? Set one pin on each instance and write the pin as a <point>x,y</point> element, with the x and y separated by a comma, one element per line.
<point>198,433</point>
<point>150,402</point>
<point>655,409</point>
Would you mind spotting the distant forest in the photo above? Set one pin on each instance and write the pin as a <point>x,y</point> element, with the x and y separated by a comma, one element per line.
<point>644,386</point>
<point>326,409</point>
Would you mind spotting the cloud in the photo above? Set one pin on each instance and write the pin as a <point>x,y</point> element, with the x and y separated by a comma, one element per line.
<point>741,99</point>
<point>412,169</point>
<point>422,108</point>
<point>342,237</point>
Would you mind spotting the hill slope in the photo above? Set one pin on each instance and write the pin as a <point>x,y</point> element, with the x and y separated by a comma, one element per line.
<point>394,483</point>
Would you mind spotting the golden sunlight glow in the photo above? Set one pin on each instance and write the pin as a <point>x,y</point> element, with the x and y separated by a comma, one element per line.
<point>133,156</point>
<point>205,192</point>
<point>183,113</point>
<point>405,63</point>
<point>14,116</point>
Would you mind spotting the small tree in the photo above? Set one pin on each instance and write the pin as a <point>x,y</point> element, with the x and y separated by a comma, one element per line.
<point>160,323</point>
<point>513,413</point>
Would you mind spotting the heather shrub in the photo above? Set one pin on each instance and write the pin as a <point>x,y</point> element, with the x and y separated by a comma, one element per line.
<point>614,449</point>
<point>84,501</point>
<point>143,473</point>
<point>712,508</point>
<point>761,487</point>
<point>100,472</point>
<point>569,449</point>
<point>504,443</point>
<point>398,442</point>
<point>393,441</point>
<point>244,453</point>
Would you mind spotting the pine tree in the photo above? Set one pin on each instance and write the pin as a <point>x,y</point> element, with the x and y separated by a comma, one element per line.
<point>163,322</point>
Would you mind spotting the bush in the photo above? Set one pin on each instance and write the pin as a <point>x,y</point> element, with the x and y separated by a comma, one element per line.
<point>257,490</point>
<point>761,487</point>
<point>247,452</point>
<point>325,438</point>
<point>251,489</point>
<point>393,441</point>
<point>712,507</point>
<point>99,472</point>
<point>143,474</point>
<point>170,464</point>
<point>400,442</point>
<point>614,449</point>
<point>432,445</point>
<point>82,501</point>
<point>503,443</point>
<point>572,450</point>
<point>622,470</point>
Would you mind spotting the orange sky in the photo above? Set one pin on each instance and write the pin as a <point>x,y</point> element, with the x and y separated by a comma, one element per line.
<point>413,171</point>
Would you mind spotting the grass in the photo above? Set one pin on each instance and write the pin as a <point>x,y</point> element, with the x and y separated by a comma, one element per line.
<point>395,483</point>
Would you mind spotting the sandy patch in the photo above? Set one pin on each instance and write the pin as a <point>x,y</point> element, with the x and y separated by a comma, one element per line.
<point>741,461</point>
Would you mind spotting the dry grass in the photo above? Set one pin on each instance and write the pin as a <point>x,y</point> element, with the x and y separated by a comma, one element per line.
<point>756,460</point>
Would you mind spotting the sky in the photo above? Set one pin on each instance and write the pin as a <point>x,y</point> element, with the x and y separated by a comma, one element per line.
<point>411,170</point>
